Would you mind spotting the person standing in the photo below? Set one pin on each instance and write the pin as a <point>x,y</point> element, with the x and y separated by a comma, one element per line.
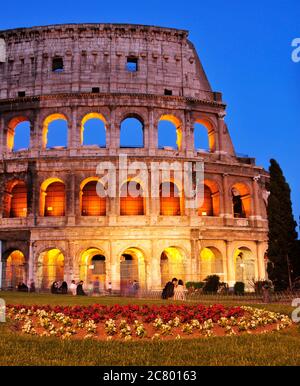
<point>96,286</point>
<point>73,287</point>
<point>179,291</point>
<point>168,291</point>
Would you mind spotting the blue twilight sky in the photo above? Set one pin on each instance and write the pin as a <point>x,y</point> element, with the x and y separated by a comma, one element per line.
<point>245,48</point>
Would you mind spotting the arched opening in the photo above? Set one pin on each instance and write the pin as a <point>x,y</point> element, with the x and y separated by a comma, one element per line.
<point>132,202</point>
<point>210,200</point>
<point>169,132</point>
<point>15,200</point>
<point>241,200</point>
<point>93,267</point>
<point>93,130</point>
<point>245,267</point>
<point>50,268</point>
<point>53,198</point>
<point>15,270</point>
<point>132,132</point>
<point>211,263</point>
<point>132,268</point>
<point>91,203</point>
<point>169,199</point>
<point>18,134</point>
<point>172,262</point>
<point>55,131</point>
<point>204,136</point>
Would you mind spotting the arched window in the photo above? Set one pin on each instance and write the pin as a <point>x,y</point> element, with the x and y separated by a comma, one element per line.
<point>18,134</point>
<point>55,131</point>
<point>93,131</point>
<point>245,267</point>
<point>201,142</point>
<point>169,199</point>
<point>131,199</point>
<point>204,136</point>
<point>169,132</point>
<point>209,200</point>
<point>18,206</point>
<point>131,133</point>
<point>15,199</point>
<point>211,263</point>
<point>241,200</point>
<point>91,203</point>
<point>51,264</point>
<point>15,270</point>
<point>53,198</point>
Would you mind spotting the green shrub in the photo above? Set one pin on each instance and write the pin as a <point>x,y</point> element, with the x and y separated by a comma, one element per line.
<point>239,288</point>
<point>195,284</point>
<point>212,284</point>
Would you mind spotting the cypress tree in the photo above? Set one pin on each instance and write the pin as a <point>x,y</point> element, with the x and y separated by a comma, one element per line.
<point>282,229</point>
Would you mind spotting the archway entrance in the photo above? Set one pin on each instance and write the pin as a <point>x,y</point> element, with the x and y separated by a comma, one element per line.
<point>50,268</point>
<point>15,270</point>
<point>132,267</point>
<point>172,265</point>
<point>93,267</point>
<point>244,267</point>
<point>211,263</point>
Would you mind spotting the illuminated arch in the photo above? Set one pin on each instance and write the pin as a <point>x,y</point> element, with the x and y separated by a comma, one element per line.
<point>93,266</point>
<point>91,203</point>
<point>52,198</point>
<point>211,263</point>
<point>170,199</point>
<point>172,264</point>
<point>48,121</point>
<point>244,261</point>
<point>241,200</point>
<point>15,199</point>
<point>50,267</point>
<point>101,130</point>
<point>13,125</point>
<point>210,200</point>
<point>132,131</point>
<point>211,135</point>
<point>15,269</point>
<point>173,132</point>
<point>132,204</point>
<point>132,267</point>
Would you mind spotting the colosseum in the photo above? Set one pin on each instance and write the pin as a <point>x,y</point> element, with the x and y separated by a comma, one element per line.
<point>140,86</point>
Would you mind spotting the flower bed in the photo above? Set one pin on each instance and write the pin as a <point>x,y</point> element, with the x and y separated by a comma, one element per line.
<point>143,322</point>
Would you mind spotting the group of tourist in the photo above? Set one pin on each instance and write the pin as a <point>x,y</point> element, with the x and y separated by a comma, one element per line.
<point>174,290</point>
<point>94,288</point>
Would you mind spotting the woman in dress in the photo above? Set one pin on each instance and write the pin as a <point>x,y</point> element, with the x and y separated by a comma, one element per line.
<point>179,291</point>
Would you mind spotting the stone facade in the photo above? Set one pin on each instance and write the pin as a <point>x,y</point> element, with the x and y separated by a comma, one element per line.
<point>93,79</point>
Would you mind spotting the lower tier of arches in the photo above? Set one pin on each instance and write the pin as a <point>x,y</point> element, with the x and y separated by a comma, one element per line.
<point>118,263</point>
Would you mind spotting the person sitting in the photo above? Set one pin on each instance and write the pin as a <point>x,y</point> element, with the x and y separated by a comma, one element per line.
<point>168,291</point>
<point>54,287</point>
<point>22,287</point>
<point>63,289</point>
<point>79,290</point>
<point>32,286</point>
<point>73,287</point>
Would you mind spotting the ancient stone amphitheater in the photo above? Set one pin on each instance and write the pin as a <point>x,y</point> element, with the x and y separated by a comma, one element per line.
<point>54,225</point>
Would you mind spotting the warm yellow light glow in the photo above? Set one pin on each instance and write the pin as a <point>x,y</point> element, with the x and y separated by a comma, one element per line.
<point>88,117</point>
<point>11,130</point>
<point>47,121</point>
<point>177,123</point>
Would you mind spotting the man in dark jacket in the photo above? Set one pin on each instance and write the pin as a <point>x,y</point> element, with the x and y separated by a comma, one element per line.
<point>79,290</point>
<point>168,291</point>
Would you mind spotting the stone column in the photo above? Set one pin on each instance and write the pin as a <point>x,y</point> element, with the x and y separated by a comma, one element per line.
<point>114,133</point>
<point>115,269</point>
<point>227,200</point>
<point>30,263</point>
<point>260,252</point>
<point>230,265</point>
<point>152,132</point>
<point>256,212</point>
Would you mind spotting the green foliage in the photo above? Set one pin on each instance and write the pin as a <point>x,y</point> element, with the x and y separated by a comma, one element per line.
<point>239,288</point>
<point>282,228</point>
<point>195,284</point>
<point>212,284</point>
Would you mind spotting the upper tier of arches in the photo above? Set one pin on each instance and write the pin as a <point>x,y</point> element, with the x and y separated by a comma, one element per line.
<point>96,129</point>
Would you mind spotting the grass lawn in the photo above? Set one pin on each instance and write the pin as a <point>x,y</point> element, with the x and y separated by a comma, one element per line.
<point>279,348</point>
